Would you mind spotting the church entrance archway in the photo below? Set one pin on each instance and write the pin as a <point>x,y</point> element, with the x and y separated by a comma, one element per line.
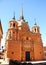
<point>27,56</point>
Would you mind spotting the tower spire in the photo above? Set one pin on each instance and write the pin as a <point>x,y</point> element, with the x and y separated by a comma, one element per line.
<point>21,16</point>
<point>35,22</point>
<point>14,16</point>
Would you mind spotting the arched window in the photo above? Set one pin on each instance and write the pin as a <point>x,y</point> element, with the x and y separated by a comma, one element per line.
<point>12,52</point>
<point>13,24</point>
<point>27,38</point>
<point>35,29</point>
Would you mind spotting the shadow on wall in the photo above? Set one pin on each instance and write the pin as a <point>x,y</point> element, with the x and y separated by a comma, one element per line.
<point>15,62</point>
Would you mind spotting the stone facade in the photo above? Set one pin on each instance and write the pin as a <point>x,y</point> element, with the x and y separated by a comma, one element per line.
<point>21,43</point>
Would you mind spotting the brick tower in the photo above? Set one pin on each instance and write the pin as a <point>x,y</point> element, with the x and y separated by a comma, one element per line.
<point>38,45</point>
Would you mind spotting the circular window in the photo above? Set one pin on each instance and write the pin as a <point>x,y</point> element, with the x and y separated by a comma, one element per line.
<point>12,52</point>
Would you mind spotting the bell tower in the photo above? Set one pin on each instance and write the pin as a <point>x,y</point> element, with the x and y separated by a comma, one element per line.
<point>36,28</point>
<point>11,37</point>
<point>12,29</point>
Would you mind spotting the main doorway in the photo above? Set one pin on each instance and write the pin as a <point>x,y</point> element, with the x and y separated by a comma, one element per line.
<point>27,56</point>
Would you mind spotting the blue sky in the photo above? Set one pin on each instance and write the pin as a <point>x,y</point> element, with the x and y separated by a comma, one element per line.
<point>33,9</point>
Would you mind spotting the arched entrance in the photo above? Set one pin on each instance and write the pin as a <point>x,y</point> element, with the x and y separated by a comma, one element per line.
<point>27,56</point>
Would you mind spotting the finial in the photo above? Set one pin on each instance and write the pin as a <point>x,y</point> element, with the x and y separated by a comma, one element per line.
<point>14,16</point>
<point>35,22</point>
<point>22,16</point>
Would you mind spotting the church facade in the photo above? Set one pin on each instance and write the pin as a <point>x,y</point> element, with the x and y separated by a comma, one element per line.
<point>21,43</point>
